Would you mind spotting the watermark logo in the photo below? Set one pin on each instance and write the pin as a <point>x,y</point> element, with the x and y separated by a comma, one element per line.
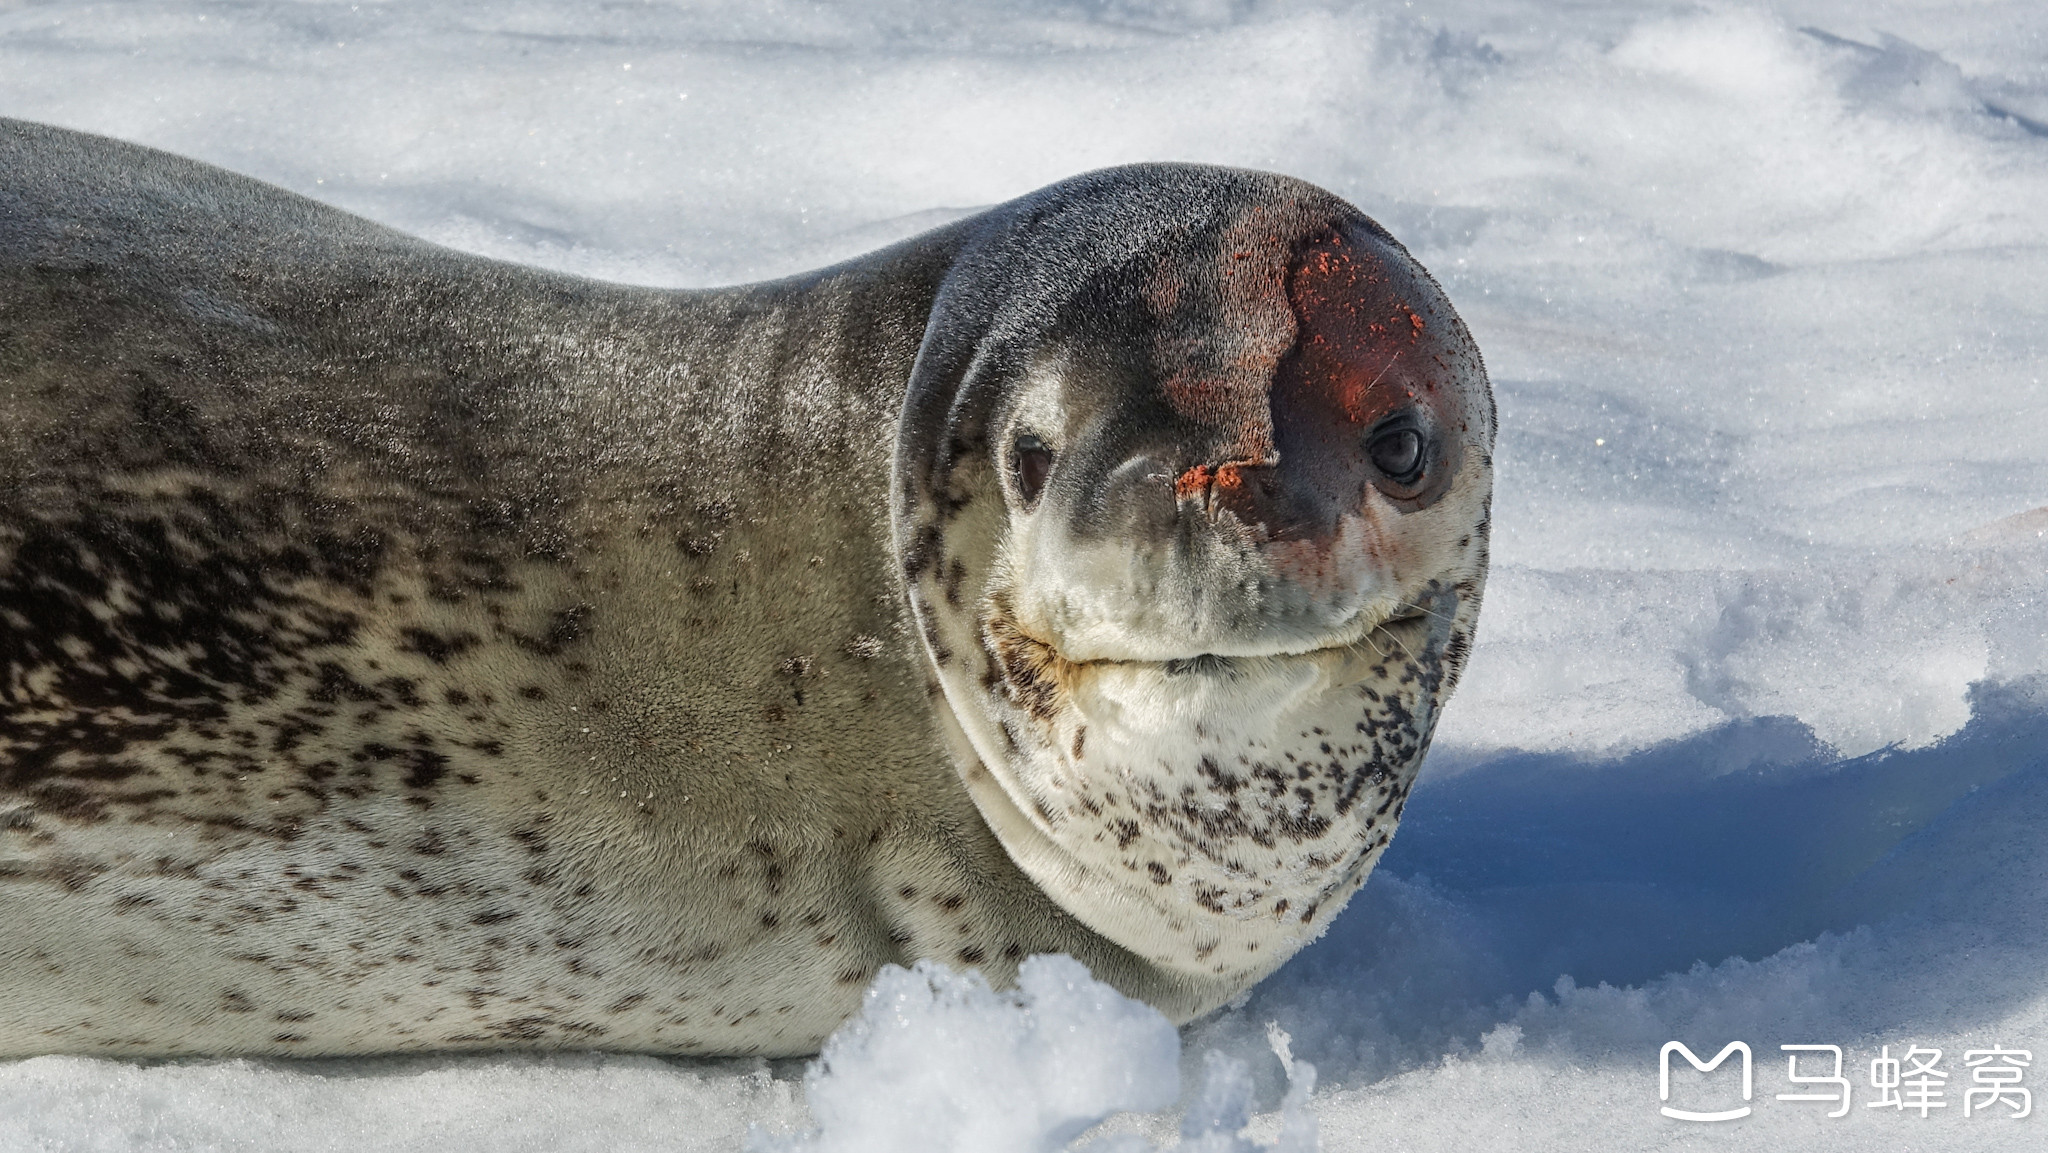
<point>1664,1079</point>
<point>1995,1078</point>
<point>1913,1082</point>
<point>1832,1077</point>
<point>1922,1080</point>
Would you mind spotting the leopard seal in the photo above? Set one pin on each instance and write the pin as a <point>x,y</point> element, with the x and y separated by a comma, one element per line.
<point>405,650</point>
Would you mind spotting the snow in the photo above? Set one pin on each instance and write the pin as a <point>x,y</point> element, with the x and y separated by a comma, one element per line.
<point>937,1060</point>
<point>925,1034</point>
<point>1754,745</point>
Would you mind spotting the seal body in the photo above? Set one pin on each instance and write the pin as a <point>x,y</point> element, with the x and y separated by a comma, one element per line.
<point>403,650</point>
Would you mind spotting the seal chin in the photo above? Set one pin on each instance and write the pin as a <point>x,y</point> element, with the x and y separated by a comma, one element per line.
<point>1207,810</point>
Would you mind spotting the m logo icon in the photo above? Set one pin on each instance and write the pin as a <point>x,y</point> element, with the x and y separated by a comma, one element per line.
<point>1664,1080</point>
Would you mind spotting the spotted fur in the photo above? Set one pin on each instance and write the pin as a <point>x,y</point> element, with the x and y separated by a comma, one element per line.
<point>401,650</point>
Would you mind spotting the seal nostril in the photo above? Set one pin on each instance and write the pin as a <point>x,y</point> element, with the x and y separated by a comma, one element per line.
<point>1033,462</point>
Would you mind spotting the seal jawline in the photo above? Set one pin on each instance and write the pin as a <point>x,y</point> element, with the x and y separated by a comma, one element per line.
<point>1220,951</point>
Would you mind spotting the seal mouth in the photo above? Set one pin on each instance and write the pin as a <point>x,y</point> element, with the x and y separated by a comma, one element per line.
<point>1206,665</point>
<point>1039,674</point>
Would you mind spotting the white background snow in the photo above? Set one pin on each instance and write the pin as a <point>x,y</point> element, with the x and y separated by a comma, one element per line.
<point>1755,742</point>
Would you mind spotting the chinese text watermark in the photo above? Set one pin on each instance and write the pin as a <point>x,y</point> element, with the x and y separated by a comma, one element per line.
<point>1916,1081</point>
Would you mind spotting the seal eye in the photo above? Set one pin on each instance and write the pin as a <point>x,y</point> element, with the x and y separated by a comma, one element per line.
<point>1034,464</point>
<point>1397,453</point>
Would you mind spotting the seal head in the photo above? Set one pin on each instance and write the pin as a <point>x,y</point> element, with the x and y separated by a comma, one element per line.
<point>1192,494</point>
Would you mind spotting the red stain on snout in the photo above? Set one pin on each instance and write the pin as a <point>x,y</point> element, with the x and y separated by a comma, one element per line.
<point>1312,334</point>
<point>1194,483</point>
<point>1371,344</point>
<point>1234,487</point>
<point>1356,331</point>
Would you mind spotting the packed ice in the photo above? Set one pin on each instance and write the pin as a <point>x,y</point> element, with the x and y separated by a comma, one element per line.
<point>1754,745</point>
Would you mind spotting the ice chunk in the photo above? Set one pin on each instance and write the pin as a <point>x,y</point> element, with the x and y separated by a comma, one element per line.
<point>940,1061</point>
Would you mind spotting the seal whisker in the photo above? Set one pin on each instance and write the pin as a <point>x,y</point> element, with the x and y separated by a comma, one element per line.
<point>1410,607</point>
